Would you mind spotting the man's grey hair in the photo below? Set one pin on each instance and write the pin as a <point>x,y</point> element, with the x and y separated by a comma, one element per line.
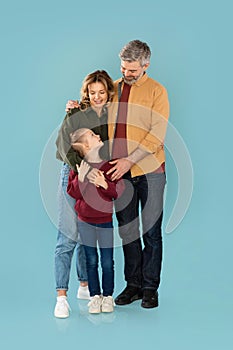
<point>136,50</point>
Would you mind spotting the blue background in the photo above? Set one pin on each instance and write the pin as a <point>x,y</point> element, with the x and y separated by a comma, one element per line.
<point>47,48</point>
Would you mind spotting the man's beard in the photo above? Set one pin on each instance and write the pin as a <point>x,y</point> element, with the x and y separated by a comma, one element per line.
<point>132,81</point>
<point>129,82</point>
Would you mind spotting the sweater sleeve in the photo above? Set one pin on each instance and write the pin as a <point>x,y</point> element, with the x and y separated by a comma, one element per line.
<point>64,150</point>
<point>74,188</point>
<point>154,139</point>
<point>110,193</point>
<point>114,190</point>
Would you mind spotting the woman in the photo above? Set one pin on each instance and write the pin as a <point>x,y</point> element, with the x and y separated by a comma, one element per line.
<point>96,92</point>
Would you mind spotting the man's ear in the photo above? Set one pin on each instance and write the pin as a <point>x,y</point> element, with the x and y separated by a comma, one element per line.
<point>146,66</point>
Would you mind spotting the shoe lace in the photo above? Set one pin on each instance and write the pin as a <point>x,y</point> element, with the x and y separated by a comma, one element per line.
<point>95,301</point>
<point>108,301</point>
<point>63,304</point>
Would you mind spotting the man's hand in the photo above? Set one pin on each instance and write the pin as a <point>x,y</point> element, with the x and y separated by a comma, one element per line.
<point>121,166</point>
<point>71,104</point>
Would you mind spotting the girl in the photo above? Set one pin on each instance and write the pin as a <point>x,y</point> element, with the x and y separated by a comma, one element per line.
<point>94,206</point>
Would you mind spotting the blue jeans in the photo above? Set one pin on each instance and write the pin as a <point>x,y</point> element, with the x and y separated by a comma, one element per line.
<point>68,237</point>
<point>103,234</point>
<point>142,264</point>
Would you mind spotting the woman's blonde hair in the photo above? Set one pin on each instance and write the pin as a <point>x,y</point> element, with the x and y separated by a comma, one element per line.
<point>100,76</point>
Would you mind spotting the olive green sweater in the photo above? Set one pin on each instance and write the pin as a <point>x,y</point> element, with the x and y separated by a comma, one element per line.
<point>77,119</point>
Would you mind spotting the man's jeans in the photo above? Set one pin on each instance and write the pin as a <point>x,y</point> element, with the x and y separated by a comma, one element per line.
<point>145,193</point>
<point>68,237</point>
<point>103,234</point>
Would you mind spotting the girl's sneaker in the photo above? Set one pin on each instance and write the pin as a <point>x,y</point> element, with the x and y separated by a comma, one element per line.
<point>62,307</point>
<point>108,304</point>
<point>95,304</point>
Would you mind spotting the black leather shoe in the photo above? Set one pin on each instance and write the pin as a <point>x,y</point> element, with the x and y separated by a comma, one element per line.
<point>150,298</point>
<point>128,295</point>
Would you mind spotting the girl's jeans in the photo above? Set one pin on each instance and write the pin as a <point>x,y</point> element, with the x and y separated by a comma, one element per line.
<point>103,234</point>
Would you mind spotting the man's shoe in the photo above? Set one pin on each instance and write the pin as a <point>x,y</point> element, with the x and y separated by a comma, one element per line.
<point>150,299</point>
<point>128,295</point>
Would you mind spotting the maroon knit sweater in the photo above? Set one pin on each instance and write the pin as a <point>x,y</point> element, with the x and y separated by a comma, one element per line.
<point>94,204</point>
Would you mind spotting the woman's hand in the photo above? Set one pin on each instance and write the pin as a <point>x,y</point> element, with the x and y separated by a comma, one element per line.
<point>82,170</point>
<point>71,104</point>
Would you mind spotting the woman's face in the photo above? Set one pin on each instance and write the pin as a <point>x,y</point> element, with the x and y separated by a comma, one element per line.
<point>97,94</point>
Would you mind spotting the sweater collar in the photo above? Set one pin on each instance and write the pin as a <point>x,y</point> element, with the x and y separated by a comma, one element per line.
<point>139,82</point>
<point>90,110</point>
<point>142,80</point>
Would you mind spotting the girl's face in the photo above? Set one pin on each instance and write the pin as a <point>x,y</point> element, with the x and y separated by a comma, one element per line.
<point>92,140</point>
<point>97,94</point>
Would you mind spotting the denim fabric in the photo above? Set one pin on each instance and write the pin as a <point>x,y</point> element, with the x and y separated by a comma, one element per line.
<point>68,237</point>
<point>142,264</point>
<point>103,234</point>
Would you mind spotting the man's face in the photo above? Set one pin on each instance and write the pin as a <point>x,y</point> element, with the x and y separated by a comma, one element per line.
<point>132,71</point>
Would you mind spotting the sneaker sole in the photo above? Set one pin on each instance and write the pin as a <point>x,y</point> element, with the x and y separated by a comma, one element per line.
<point>94,312</point>
<point>83,297</point>
<point>107,311</point>
<point>61,316</point>
<point>149,306</point>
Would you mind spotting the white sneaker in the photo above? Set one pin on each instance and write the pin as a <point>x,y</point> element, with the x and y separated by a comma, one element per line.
<point>107,304</point>
<point>62,307</point>
<point>83,293</point>
<point>95,304</point>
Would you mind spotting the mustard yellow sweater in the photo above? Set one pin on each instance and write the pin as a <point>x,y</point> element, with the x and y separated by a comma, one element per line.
<point>148,112</point>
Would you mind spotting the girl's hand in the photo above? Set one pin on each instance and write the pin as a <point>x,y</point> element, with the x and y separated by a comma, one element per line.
<point>100,180</point>
<point>82,170</point>
<point>92,175</point>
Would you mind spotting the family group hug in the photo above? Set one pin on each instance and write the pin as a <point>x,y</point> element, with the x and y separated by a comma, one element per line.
<point>111,145</point>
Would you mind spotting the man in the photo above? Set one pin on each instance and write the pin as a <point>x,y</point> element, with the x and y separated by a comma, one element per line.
<point>137,126</point>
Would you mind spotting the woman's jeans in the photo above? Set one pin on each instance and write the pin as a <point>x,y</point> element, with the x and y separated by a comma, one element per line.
<point>68,237</point>
<point>143,194</point>
<point>90,234</point>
